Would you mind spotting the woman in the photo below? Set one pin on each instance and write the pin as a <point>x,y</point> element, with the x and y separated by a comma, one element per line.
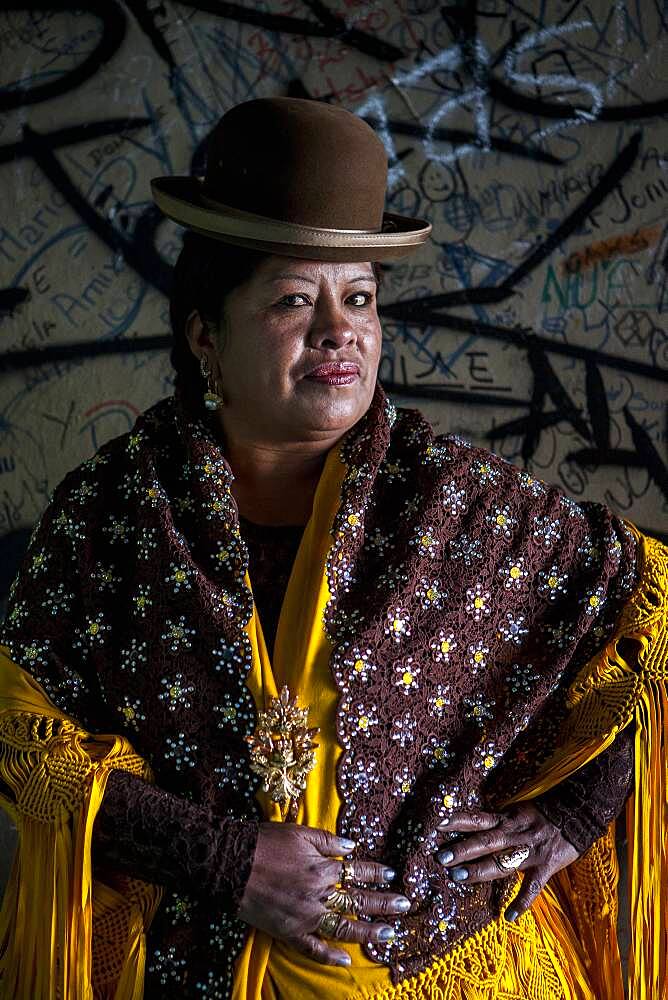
<point>360,676</point>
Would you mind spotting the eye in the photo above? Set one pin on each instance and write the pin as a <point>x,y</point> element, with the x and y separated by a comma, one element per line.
<point>366,298</point>
<point>285,301</point>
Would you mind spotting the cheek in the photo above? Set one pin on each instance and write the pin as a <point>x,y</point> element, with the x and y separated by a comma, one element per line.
<point>280,331</point>
<point>260,353</point>
<point>374,341</point>
<point>279,351</point>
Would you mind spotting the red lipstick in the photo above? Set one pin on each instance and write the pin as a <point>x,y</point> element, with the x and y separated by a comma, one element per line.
<point>335,373</point>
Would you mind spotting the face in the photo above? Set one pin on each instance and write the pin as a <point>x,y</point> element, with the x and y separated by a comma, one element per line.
<point>299,350</point>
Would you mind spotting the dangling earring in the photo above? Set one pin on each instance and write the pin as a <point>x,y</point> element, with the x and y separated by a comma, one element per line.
<point>212,399</point>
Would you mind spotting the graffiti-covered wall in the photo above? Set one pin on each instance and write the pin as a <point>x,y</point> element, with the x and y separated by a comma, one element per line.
<point>532,133</point>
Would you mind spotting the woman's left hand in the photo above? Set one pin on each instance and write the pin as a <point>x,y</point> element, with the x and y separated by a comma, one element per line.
<point>475,857</point>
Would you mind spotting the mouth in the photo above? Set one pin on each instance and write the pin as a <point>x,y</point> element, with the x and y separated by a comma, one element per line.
<point>335,373</point>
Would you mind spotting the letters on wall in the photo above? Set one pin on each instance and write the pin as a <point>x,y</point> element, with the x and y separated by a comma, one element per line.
<point>533,137</point>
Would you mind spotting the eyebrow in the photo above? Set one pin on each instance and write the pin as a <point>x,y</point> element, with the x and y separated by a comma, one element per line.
<point>310,281</point>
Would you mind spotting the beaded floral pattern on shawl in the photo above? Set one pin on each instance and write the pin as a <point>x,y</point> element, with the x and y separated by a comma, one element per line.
<point>130,611</point>
<point>465,596</point>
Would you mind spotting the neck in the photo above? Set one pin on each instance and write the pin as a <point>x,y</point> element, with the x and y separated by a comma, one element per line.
<point>275,484</point>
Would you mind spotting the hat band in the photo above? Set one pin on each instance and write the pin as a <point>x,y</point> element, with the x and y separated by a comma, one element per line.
<point>183,200</point>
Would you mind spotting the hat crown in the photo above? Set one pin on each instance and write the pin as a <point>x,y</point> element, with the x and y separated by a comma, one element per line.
<point>298,161</point>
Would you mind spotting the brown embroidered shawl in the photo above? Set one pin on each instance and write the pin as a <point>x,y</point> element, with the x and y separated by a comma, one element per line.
<point>465,596</point>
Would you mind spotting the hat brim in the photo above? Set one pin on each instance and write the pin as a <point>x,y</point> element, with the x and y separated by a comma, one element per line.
<point>180,198</point>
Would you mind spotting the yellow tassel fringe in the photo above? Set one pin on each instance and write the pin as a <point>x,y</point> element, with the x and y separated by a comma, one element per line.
<point>63,936</point>
<point>503,961</point>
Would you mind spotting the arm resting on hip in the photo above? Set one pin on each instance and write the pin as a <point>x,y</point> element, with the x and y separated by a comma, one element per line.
<point>583,806</point>
<point>159,837</point>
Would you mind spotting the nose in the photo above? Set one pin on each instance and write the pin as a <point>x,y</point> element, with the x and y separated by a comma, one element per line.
<point>331,328</point>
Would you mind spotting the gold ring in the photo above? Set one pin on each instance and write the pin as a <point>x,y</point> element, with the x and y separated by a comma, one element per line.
<point>341,901</point>
<point>347,872</point>
<point>329,923</point>
<point>508,861</point>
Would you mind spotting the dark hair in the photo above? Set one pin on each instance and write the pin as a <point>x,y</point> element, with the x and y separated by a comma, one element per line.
<point>206,271</point>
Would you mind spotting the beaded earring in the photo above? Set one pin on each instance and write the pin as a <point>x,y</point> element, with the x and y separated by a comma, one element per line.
<point>212,399</point>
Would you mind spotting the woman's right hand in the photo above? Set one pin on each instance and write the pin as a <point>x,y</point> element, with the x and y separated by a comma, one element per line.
<point>294,870</point>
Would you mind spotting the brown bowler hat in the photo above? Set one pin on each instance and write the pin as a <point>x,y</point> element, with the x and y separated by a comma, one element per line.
<point>294,177</point>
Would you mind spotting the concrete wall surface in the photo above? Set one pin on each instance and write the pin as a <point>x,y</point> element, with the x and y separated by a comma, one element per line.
<point>532,135</point>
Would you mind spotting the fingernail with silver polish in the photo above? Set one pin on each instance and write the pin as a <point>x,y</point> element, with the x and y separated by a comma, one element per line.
<point>459,874</point>
<point>344,960</point>
<point>389,874</point>
<point>445,857</point>
<point>512,915</point>
<point>403,905</point>
<point>347,845</point>
<point>385,934</point>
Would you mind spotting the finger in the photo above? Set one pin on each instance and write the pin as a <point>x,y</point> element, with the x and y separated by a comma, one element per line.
<point>485,870</point>
<point>478,846</point>
<point>470,822</point>
<point>328,844</point>
<point>361,932</point>
<point>533,883</point>
<point>364,872</point>
<point>317,949</point>
<point>374,904</point>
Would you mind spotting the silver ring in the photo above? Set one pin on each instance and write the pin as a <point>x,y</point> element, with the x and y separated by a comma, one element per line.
<point>509,861</point>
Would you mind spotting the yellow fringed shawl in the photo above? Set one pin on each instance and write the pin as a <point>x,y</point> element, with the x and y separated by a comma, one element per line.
<point>64,935</point>
<point>624,684</point>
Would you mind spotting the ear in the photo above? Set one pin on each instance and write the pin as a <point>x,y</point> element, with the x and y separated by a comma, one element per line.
<point>197,334</point>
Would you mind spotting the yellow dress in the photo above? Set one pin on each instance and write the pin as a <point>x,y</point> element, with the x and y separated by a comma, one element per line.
<point>268,969</point>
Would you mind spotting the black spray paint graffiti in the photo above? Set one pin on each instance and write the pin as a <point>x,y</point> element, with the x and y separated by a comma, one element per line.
<point>114,28</point>
<point>469,57</point>
<point>546,385</point>
<point>462,20</point>
<point>138,251</point>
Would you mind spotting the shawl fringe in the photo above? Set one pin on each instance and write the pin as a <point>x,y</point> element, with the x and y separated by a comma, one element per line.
<point>648,843</point>
<point>62,934</point>
<point>626,684</point>
<point>501,960</point>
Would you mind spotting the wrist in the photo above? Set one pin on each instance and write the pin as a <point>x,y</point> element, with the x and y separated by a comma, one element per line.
<point>237,848</point>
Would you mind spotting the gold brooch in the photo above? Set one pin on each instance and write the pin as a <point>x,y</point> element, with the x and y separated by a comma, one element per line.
<point>283,752</point>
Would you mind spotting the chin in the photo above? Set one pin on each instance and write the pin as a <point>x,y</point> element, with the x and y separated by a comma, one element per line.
<point>342,414</point>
